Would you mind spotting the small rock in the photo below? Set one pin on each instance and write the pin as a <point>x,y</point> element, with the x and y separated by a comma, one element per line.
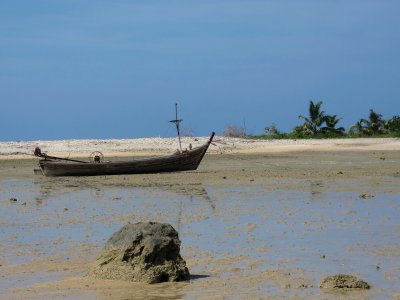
<point>343,281</point>
<point>340,173</point>
<point>366,196</point>
<point>13,199</point>
<point>224,177</point>
<point>65,208</point>
<point>24,203</point>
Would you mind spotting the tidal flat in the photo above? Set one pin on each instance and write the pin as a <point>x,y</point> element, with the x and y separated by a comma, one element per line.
<point>252,226</point>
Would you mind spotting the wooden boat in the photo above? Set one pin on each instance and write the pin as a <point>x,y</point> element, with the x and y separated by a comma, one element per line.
<point>181,161</point>
<point>187,160</point>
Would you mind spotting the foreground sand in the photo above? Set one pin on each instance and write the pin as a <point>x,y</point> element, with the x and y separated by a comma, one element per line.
<point>255,222</point>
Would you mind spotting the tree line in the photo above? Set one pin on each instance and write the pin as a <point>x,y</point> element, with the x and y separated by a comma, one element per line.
<point>320,124</point>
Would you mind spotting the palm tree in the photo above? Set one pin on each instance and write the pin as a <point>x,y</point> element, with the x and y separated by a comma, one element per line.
<point>316,118</point>
<point>374,125</point>
<point>376,122</point>
<point>393,125</point>
<point>331,122</point>
<point>358,128</point>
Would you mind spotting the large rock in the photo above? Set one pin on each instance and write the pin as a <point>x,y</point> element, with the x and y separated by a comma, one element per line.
<point>343,281</point>
<point>142,252</point>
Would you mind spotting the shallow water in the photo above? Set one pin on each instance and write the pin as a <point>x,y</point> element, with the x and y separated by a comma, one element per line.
<point>228,230</point>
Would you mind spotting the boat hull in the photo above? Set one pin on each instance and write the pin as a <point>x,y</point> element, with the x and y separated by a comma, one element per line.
<point>185,161</point>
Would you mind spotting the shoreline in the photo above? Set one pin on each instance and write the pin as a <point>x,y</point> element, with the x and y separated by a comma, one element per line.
<point>162,146</point>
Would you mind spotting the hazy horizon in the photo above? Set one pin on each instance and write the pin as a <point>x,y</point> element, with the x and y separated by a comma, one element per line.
<point>96,69</point>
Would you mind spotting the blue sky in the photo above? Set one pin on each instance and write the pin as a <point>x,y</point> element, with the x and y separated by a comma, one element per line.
<point>74,69</point>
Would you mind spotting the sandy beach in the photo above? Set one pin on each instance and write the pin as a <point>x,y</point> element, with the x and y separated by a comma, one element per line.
<point>156,146</point>
<point>257,220</point>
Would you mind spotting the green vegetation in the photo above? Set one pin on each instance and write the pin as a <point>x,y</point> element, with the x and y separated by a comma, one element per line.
<point>312,124</point>
<point>393,125</point>
<point>319,124</point>
<point>373,126</point>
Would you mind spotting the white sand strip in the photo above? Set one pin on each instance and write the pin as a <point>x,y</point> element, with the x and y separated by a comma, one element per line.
<point>159,146</point>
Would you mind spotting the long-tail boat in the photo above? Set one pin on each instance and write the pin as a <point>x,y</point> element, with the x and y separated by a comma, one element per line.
<point>186,160</point>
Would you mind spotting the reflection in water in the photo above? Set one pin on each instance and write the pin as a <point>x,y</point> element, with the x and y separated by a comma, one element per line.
<point>44,208</point>
<point>54,187</point>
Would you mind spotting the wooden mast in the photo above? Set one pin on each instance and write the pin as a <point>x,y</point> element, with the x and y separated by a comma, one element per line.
<point>177,122</point>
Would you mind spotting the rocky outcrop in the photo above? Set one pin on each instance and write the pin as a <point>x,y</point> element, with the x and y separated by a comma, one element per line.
<point>142,252</point>
<point>343,281</point>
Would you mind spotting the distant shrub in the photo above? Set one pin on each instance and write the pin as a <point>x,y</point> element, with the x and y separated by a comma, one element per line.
<point>234,131</point>
<point>272,130</point>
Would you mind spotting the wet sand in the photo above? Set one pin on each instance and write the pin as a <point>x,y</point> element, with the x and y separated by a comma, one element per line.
<point>253,225</point>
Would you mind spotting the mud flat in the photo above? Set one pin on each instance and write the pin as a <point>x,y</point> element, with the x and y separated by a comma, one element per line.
<point>253,224</point>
